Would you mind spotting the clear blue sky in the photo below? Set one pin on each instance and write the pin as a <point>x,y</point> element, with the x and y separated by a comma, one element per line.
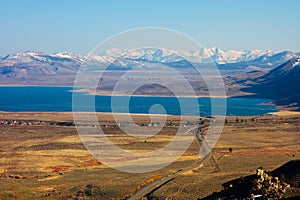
<point>79,25</point>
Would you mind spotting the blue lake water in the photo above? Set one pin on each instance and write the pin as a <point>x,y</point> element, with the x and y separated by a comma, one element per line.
<point>59,99</point>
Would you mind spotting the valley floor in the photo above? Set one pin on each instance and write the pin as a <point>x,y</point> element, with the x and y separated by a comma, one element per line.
<point>42,157</point>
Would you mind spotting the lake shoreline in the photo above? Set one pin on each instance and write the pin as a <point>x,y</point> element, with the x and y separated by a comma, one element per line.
<point>61,99</point>
<point>110,93</point>
<point>281,113</point>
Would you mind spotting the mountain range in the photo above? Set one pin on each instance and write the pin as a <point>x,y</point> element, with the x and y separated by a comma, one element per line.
<point>263,73</point>
<point>280,84</point>
<point>203,55</point>
<point>68,63</point>
<point>223,58</point>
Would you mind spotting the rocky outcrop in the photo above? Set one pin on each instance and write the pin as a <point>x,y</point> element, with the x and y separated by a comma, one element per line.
<point>261,185</point>
<point>267,187</point>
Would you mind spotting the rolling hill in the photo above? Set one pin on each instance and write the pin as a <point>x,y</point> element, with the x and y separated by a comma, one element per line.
<point>280,84</point>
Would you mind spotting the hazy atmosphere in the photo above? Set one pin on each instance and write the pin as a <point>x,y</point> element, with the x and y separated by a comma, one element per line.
<point>76,26</point>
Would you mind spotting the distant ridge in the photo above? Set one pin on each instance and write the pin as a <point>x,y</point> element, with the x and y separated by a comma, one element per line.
<point>280,84</point>
<point>203,55</point>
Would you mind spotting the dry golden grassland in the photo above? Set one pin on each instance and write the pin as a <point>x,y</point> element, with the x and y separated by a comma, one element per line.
<point>40,158</point>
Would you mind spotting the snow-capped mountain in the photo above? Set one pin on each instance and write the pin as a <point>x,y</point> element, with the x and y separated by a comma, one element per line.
<point>38,68</point>
<point>275,59</point>
<point>62,62</point>
<point>263,63</point>
<point>280,84</point>
<point>204,55</point>
<point>65,62</point>
<point>287,71</point>
<point>37,63</point>
<point>30,56</point>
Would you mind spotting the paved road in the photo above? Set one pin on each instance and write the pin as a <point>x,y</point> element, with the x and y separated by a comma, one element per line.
<point>144,191</point>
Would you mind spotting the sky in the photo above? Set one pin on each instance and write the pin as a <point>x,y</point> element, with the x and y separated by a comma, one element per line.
<point>79,25</point>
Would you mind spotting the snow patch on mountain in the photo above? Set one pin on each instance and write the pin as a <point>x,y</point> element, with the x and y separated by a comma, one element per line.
<point>296,62</point>
<point>204,55</point>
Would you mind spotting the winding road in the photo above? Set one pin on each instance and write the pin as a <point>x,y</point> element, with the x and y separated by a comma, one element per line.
<point>148,189</point>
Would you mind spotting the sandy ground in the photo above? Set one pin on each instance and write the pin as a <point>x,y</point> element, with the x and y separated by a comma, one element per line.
<point>285,113</point>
